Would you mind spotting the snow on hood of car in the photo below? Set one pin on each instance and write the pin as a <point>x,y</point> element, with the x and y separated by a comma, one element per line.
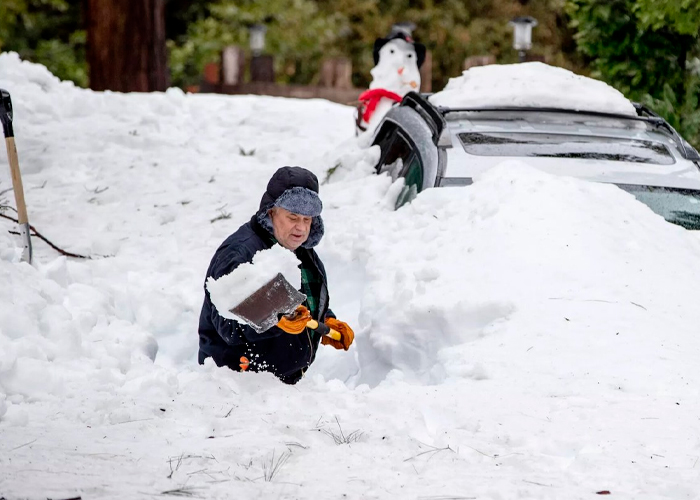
<point>531,84</point>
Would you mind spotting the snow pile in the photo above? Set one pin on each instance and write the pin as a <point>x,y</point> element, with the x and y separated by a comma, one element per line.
<point>233,288</point>
<point>36,78</point>
<point>55,332</point>
<point>530,84</point>
<point>505,258</point>
<point>352,162</point>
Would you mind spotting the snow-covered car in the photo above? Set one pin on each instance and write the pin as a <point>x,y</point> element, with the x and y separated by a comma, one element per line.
<point>550,119</point>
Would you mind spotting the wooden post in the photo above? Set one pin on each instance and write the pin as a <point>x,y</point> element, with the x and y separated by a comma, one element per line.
<point>343,73</point>
<point>262,69</point>
<point>212,73</point>
<point>336,72</point>
<point>232,65</point>
<point>327,74</point>
<point>534,57</point>
<point>426,73</point>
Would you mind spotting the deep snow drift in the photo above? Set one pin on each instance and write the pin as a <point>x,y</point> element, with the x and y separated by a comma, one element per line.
<point>527,337</point>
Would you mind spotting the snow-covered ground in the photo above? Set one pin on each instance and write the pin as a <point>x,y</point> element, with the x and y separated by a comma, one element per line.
<point>527,337</point>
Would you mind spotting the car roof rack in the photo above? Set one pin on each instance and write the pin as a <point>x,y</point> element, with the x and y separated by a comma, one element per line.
<point>429,113</point>
<point>644,114</point>
<point>523,109</point>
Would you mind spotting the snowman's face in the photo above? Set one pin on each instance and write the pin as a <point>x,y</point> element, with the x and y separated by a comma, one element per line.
<point>397,69</point>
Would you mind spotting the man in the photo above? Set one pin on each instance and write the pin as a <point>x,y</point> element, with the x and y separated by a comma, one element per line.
<point>289,215</point>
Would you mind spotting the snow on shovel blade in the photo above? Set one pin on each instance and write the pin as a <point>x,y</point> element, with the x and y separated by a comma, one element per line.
<point>261,309</point>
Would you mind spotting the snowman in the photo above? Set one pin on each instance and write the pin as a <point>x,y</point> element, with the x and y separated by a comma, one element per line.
<point>397,60</point>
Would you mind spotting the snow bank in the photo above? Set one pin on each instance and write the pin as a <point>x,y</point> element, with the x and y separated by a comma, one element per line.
<point>530,84</point>
<point>506,257</point>
<point>233,288</point>
<point>54,332</point>
<point>525,337</point>
<point>36,78</point>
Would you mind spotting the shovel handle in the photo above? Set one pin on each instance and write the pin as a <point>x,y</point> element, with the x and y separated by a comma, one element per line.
<point>16,180</point>
<point>324,329</point>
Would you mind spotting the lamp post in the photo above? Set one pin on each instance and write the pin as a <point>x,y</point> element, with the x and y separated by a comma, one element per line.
<point>261,66</point>
<point>522,34</point>
<point>257,38</point>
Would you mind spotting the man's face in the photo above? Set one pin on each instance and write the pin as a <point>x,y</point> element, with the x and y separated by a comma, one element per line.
<point>290,229</point>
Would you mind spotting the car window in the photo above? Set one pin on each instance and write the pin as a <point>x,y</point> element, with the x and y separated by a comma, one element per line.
<point>414,173</point>
<point>565,146</point>
<point>394,156</point>
<point>413,178</point>
<point>679,206</point>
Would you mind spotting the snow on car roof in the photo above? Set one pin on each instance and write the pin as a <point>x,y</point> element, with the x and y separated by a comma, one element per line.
<point>531,84</point>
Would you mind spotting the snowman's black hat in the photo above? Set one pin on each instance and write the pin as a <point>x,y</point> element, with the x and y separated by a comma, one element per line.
<point>403,35</point>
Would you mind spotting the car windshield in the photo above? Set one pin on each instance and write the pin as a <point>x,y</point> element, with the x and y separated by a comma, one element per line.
<point>679,206</point>
<point>565,146</point>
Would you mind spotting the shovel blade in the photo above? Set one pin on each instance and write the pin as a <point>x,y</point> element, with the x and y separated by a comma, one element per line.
<point>261,309</point>
<point>27,243</point>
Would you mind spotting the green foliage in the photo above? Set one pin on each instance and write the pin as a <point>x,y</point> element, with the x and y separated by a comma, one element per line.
<point>683,114</point>
<point>634,60</point>
<point>681,16</point>
<point>65,59</point>
<point>643,48</point>
<point>298,34</point>
<point>48,32</point>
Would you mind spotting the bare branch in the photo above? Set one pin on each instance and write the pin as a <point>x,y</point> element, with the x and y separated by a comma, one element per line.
<point>97,190</point>
<point>223,214</point>
<point>185,491</point>
<point>433,452</point>
<point>23,445</point>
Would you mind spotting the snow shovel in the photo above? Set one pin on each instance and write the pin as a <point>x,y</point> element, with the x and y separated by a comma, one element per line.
<point>262,308</point>
<point>6,118</point>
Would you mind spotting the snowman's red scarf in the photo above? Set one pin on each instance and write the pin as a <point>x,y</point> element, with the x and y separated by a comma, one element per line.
<point>370,99</point>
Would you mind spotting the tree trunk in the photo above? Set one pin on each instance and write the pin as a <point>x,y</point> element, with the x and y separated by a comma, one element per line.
<point>126,45</point>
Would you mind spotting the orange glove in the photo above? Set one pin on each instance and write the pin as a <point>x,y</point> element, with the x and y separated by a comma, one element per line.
<point>296,323</point>
<point>346,334</point>
<point>245,363</point>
